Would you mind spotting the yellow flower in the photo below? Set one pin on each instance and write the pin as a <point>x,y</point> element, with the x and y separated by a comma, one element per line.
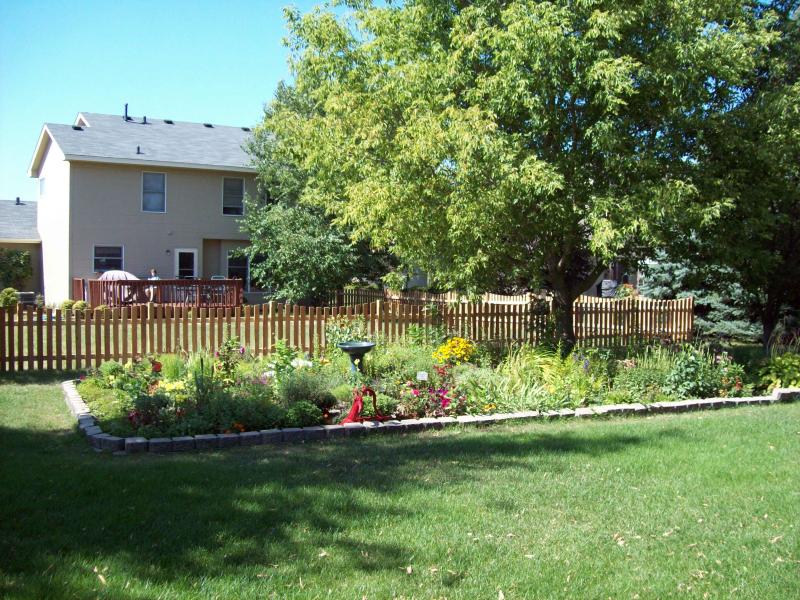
<point>455,351</point>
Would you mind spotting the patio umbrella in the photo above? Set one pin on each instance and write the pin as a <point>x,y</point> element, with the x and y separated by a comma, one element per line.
<point>117,295</point>
<point>118,276</point>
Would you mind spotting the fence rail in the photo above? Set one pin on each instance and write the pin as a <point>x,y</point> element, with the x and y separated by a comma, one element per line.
<point>353,296</point>
<point>55,339</point>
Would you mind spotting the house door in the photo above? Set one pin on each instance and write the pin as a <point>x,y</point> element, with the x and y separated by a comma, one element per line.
<point>185,263</point>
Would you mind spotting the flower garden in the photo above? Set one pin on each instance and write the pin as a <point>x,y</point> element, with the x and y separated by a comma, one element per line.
<point>427,374</point>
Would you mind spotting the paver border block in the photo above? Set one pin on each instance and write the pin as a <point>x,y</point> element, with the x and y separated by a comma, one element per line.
<point>134,445</point>
<point>292,434</point>
<point>355,429</point>
<point>160,445</point>
<point>250,438</point>
<point>334,431</point>
<point>314,433</point>
<point>206,441</point>
<point>183,443</point>
<point>271,436</point>
<point>229,440</point>
<point>112,443</point>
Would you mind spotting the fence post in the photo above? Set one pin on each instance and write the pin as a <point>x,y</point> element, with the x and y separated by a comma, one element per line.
<point>378,316</point>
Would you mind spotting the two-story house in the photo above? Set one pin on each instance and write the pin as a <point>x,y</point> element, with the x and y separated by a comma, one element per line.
<point>135,193</point>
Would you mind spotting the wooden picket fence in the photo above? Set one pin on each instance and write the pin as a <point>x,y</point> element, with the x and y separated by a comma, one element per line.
<point>33,338</point>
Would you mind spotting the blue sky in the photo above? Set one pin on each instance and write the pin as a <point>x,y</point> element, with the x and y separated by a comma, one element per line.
<point>205,61</point>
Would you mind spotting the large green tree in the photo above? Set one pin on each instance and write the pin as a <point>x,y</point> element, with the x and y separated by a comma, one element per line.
<point>751,157</point>
<point>535,140</point>
<point>296,252</point>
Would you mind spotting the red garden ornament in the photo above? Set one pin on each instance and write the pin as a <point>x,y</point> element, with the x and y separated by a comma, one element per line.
<point>354,416</point>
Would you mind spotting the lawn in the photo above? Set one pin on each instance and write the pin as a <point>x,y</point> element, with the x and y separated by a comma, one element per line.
<point>696,505</point>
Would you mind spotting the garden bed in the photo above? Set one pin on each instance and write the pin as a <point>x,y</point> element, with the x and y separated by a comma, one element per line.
<point>101,440</point>
<point>199,400</point>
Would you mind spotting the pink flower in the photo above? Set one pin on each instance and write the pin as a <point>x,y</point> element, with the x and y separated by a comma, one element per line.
<point>415,392</point>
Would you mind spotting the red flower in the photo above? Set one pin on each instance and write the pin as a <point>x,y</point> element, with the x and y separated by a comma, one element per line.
<point>156,367</point>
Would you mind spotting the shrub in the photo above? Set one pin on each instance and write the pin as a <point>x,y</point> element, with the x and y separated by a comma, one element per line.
<point>111,368</point>
<point>80,305</point>
<point>782,370</point>
<point>39,301</point>
<point>693,375</point>
<point>101,307</point>
<point>305,385</point>
<point>15,267</point>
<point>397,362</point>
<point>303,414</point>
<point>8,298</point>
<point>67,305</point>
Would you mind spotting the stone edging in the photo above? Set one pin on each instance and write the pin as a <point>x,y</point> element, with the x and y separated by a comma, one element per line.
<point>104,441</point>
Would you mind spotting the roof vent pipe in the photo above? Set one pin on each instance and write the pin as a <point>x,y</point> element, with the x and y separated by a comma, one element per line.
<point>18,202</point>
<point>138,150</point>
<point>126,112</point>
<point>144,120</point>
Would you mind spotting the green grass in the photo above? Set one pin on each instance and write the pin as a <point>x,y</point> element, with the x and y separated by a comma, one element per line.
<point>688,505</point>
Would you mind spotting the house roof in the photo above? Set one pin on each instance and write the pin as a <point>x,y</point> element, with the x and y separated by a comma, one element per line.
<point>18,222</point>
<point>159,142</point>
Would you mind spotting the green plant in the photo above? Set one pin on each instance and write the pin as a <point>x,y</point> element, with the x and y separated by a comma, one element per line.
<point>39,301</point>
<point>101,308</point>
<point>302,414</point>
<point>693,375</point>
<point>80,305</point>
<point>782,370</point>
<point>15,267</point>
<point>67,305</point>
<point>230,353</point>
<point>173,367</point>
<point>8,298</point>
<point>345,329</point>
<point>305,385</point>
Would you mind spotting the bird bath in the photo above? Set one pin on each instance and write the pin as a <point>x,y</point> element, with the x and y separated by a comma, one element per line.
<point>356,352</point>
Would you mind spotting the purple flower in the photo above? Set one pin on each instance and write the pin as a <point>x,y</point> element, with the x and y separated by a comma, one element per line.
<point>586,365</point>
<point>241,349</point>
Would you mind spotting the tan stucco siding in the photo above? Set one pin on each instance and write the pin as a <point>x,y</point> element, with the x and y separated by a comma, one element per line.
<point>53,223</point>
<point>106,209</point>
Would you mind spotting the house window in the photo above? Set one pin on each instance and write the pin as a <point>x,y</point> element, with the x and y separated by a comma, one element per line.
<point>239,268</point>
<point>232,196</point>
<point>154,192</point>
<point>107,258</point>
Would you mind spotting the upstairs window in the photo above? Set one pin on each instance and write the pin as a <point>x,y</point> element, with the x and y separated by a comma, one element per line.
<point>154,192</point>
<point>232,196</point>
<point>107,258</point>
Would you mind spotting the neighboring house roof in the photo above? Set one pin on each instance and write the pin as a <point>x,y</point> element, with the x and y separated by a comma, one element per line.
<point>18,222</point>
<point>158,142</point>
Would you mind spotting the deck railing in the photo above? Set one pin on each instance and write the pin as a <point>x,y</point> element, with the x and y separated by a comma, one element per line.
<point>205,293</point>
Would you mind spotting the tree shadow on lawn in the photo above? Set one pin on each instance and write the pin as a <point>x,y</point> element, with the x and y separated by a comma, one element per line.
<point>227,513</point>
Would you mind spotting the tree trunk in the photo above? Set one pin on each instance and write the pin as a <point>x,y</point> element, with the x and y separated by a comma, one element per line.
<point>769,321</point>
<point>562,316</point>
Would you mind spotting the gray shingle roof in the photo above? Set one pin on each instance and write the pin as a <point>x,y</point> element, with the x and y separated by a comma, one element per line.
<point>111,138</point>
<point>18,222</point>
